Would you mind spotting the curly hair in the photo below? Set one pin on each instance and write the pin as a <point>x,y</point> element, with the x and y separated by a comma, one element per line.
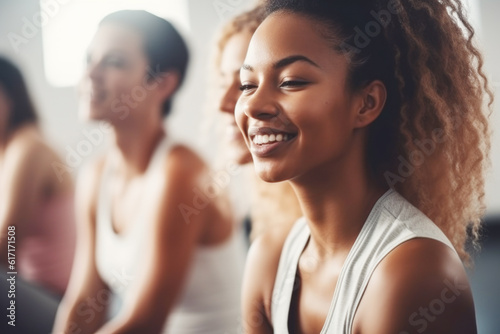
<point>431,142</point>
<point>246,21</point>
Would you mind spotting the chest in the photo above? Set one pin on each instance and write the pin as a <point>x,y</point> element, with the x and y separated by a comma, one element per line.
<point>312,296</point>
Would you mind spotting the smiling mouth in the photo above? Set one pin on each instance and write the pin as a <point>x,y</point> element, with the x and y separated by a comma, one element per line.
<point>265,141</point>
<point>272,138</point>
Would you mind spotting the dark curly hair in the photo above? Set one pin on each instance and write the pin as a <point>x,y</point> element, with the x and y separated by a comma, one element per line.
<point>431,141</point>
<point>163,45</point>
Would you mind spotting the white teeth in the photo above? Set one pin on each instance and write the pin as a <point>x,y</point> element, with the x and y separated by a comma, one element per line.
<point>265,139</point>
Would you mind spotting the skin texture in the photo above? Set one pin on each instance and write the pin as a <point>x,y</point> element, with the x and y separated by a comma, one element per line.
<point>326,164</point>
<point>232,58</point>
<point>117,64</point>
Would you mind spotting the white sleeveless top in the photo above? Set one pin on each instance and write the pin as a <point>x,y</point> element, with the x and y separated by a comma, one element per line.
<point>210,300</point>
<point>392,221</point>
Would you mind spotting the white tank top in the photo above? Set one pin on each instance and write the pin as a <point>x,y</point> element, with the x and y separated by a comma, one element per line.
<point>210,300</point>
<point>392,221</point>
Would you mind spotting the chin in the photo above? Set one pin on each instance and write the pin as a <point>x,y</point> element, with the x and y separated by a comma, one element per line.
<point>268,174</point>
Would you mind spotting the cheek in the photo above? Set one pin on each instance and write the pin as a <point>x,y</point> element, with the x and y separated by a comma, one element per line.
<point>324,124</point>
<point>239,114</point>
<point>126,81</point>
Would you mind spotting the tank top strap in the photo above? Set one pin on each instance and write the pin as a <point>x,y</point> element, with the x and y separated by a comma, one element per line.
<point>161,150</point>
<point>285,276</point>
<point>104,200</point>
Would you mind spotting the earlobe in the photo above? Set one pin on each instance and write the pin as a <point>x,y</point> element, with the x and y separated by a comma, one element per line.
<point>374,96</point>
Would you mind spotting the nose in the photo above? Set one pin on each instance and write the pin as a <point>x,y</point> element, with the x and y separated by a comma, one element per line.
<point>94,71</point>
<point>260,105</point>
<point>229,99</point>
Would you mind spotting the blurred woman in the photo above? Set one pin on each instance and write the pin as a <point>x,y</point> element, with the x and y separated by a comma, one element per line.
<point>272,206</point>
<point>150,227</point>
<point>37,228</point>
<point>35,202</point>
<point>383,134</point>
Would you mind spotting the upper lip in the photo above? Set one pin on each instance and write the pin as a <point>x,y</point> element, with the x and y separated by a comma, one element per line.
<point>254,131</point>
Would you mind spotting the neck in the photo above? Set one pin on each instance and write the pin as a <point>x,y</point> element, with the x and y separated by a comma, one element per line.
<point>336,199</point>
<point>135,145</point>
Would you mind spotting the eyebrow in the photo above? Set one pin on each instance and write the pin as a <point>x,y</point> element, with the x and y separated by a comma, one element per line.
<point>284,62</point>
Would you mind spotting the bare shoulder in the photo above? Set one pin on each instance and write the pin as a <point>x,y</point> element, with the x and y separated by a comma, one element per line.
<point>262,266</point>
<point>88,184</point>
<point>421,286</point>
<point>184,161</point>
<point>28,146</point>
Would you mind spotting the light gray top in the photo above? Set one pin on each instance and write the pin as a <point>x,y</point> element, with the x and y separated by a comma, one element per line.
<point>392,221</point>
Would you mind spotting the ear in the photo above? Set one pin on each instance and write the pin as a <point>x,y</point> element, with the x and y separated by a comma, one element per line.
<point>373,97</point>
<point>167,84</point>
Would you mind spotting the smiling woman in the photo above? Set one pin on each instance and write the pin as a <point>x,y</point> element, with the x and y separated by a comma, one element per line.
<point>335,110</point>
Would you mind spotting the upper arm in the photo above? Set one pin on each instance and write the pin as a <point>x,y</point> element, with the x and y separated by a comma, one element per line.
<point>420,287</point>
<point>85,284</point>
<point>21,181</point>
<point>258,283</point>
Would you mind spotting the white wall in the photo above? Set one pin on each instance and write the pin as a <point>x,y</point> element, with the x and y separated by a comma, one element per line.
<point>58,106</point>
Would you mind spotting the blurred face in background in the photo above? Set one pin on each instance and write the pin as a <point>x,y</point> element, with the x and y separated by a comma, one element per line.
<point>232,58</point>
<point>115,84</point>
<point>5,106</point>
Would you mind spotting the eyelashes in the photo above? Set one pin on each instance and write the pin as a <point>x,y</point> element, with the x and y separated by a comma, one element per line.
<point>294,83</point>
<point>244,88</point>
<point>285,84</point>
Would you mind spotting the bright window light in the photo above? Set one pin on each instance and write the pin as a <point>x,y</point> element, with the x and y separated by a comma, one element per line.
<point>72,23</point>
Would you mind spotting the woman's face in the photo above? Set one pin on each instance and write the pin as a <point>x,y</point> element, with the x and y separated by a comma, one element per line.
<point>232,58</point>
<point>115,83</point>
<point>295,112</point>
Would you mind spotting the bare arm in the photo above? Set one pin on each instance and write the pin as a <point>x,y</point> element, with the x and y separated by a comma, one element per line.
<point>81,310</point>
<point>421,287</point>
<point>21,180</point>
<point>173,242</point>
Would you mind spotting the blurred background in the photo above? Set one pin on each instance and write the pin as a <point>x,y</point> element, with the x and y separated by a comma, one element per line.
<point>47,39</point>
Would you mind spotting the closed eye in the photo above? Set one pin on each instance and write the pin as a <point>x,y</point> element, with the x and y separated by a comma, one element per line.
<point>245,88</point>
<point>294,83</point>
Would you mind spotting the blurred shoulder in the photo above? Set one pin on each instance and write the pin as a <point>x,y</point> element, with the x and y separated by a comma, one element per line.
<point>182,162</point>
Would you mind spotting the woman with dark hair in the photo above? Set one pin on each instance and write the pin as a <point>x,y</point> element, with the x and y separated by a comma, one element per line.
<point>373,110</point>
<point>34,202</point>
<point>37,229</point>
<point>151,228</point>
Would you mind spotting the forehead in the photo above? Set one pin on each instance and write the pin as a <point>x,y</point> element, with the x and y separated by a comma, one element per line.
<point>283,34</point>
<point>234,51</point>
<point>112,36</point>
